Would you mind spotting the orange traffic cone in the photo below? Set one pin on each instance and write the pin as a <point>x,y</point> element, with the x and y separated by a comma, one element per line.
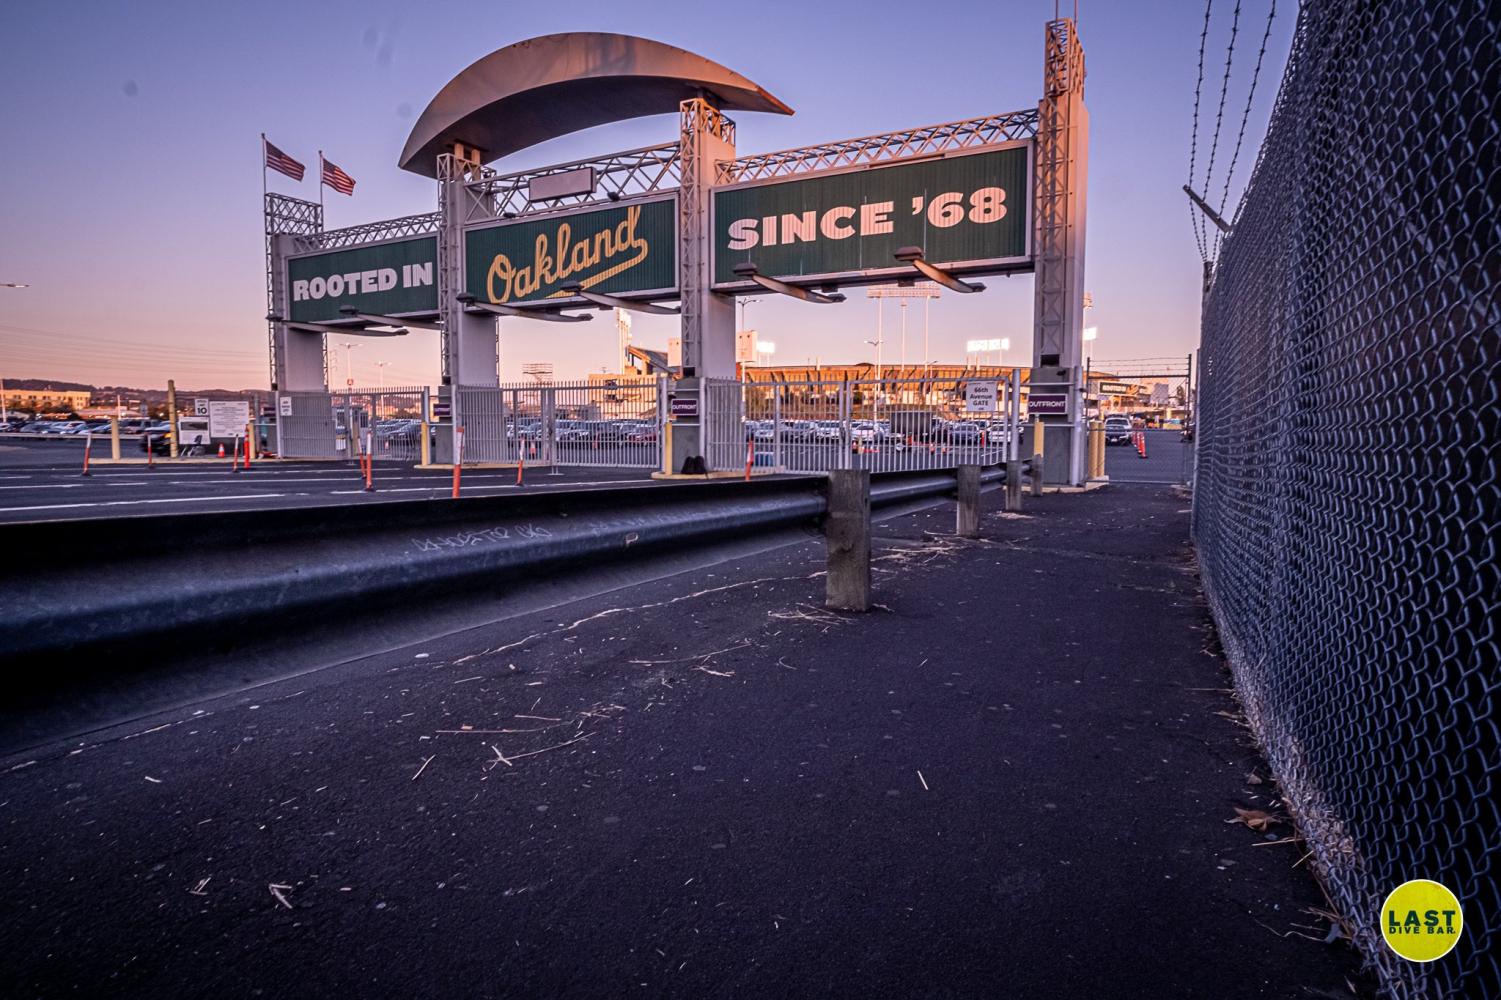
<point>221,449</point>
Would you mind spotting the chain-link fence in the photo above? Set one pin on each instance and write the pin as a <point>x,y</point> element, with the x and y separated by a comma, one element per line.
<point>1347,468</point>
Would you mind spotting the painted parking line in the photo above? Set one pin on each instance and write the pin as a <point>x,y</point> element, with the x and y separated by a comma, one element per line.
<point>446,487</point>
<point>63,486</point>
<point>128,503</point>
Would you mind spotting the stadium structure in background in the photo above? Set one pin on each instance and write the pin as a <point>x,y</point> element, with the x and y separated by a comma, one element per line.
<point>688,221</point>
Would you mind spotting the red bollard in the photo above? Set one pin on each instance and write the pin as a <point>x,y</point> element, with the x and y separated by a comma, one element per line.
<point>88,446</point>
<point>520,464</point>
<point>458,458</point>
<point>150,455</point>
<point>234,462</point>
<point>750,457</point>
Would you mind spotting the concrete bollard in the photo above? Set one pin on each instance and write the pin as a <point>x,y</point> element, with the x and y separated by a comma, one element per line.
<point>1014,484</point>
<point>1039,439</point>
<point>114,438</point>
<point>967,511</point>
<point>847,530</point>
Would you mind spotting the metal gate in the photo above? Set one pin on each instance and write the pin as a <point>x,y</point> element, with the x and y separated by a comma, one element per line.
<point>611,423</point>
<point>884,425</point>
<point>308,427</point>
<point>386,422</point>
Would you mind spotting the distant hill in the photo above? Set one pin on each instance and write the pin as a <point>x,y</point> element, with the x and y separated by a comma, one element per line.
<point>106,393</point>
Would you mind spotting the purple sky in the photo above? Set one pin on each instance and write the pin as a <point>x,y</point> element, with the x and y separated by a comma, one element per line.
<point>130,175</point>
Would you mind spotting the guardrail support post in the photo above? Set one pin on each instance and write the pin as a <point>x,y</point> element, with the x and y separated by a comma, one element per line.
<point>847,530</point>
<point>1039,438</point>
<point>967,513</point>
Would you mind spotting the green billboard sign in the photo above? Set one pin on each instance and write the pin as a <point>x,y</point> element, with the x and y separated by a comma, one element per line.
<point>968,212</point>
<point>386,279</point>
<point>622,250</point>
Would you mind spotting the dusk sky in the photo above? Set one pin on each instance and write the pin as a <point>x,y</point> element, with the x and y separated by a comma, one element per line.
<point>130,175</point>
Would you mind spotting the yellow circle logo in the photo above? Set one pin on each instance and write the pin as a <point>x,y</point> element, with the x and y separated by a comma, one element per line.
<point>1421,920</point>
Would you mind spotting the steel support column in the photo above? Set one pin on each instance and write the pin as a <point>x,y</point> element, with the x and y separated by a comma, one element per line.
<point>708,138</point>
<point>297,358</point>
<point>1060,188</point>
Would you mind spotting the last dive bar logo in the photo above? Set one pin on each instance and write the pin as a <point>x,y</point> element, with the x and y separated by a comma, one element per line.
<point>623,249</point>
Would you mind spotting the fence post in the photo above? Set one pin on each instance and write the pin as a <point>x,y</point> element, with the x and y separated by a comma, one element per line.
<point>172,430</point>
<point>846,412</point>
<point>847,531</point>
<point>114,437</point>
<point>776,429</point>
<point>967,512</point>
<point>1038,448</point>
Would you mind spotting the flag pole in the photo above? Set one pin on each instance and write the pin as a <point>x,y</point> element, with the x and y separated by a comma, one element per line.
<point>320,190</point>
<point>263,171</point>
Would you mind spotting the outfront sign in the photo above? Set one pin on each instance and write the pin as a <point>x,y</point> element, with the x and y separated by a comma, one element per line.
<point>1055,403</point>
<point>628,249</point>
<point>395,278</point>
<point>969,212</point>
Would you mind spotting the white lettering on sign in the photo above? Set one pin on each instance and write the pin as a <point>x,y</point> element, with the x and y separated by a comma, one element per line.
<point>381,279</point>
<point>987,204</point>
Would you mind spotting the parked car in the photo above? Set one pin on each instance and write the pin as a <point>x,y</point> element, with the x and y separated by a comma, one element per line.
<point>829,430</point>
<point>1117,430</point>
<point>963,432</point>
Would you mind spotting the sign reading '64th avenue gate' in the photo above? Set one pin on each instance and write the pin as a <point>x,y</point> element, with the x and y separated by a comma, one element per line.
<point>623,250</point>
<point>968,212</point>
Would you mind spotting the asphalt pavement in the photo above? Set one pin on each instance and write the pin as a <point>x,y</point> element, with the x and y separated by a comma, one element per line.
<point>43,480</point>
<point>1017,776</point>
<point>1168,459</point>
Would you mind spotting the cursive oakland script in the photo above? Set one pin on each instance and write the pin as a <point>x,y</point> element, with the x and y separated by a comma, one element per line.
<point>550,265</point>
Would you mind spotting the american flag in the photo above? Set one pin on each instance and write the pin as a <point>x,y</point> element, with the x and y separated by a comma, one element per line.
<point>282,163</point>
<point>336,178</point>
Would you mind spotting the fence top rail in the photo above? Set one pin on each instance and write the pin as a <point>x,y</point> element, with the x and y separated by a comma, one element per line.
<point>632,381</point>
<point>935,380</point>
<point>390,390</point>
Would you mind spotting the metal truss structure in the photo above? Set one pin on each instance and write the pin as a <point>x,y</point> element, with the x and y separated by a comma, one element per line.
<point>889,146</point>
<point>1059,156</point>
<point>371,232</point>
<point>702,124</point>
<point>618,176</point>
<point>285,216</point>
<point>453,175</point>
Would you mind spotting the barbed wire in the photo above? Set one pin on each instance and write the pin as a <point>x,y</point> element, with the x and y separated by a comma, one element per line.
<point>1193,141</point>
<point>1244,119</point>
<point>1219,117</point>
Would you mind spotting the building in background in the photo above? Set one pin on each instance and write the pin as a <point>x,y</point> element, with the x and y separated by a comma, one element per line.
<point>46,400</point>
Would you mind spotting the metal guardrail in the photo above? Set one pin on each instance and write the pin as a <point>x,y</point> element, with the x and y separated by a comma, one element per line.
<point>98,582</point>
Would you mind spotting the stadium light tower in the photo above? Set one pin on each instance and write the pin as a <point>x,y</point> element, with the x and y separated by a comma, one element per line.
<point>925,290</point>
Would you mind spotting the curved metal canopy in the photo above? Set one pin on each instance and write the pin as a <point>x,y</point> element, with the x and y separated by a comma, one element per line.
<point>552,85</point>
